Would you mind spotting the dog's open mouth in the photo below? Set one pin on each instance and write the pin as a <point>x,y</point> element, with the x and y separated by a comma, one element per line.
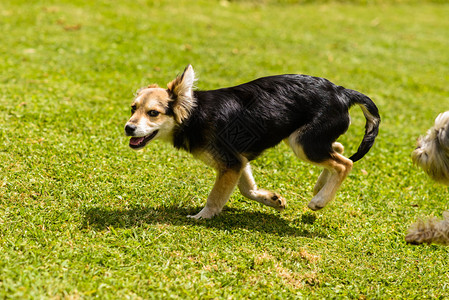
<point>139,142</point>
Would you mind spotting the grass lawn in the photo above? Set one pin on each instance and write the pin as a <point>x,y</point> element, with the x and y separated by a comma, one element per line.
<point>84,216</point>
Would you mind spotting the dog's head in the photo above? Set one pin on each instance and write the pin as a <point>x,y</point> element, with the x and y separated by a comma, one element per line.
<point>155,111</point>
<point>432,151</point>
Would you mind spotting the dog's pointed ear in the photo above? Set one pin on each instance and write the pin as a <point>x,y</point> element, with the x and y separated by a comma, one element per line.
<point>181,93</point>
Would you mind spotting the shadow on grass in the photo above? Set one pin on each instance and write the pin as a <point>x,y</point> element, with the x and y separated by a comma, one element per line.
<point>100,218</point>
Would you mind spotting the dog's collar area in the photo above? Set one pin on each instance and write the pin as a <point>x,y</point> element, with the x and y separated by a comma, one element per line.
<point>139,142</point>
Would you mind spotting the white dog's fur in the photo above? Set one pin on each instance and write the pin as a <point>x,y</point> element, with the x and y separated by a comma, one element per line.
<point>432,155</point>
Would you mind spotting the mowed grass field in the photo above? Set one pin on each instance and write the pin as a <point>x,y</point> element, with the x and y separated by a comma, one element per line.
<point>84,216</point>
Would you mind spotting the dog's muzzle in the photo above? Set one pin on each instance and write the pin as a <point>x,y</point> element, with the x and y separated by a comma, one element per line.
<point>140,141</point>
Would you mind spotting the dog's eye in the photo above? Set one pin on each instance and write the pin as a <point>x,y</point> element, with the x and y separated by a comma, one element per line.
<point>133,109</point>
<point>153,113</point>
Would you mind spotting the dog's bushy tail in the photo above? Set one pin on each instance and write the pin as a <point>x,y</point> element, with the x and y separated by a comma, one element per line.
<point>372,121</point>
<point>429,231</point>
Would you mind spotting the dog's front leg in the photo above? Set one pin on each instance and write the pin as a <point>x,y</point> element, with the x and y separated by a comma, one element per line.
<point>248,188</point>
<point>222,190</point>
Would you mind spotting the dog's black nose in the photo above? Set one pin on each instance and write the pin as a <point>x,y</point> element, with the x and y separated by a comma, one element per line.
<point>130,128</point>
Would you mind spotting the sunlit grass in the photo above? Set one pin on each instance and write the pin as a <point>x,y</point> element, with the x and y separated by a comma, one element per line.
<point>82,215</point>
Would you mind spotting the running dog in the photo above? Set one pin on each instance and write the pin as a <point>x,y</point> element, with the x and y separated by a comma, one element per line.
<point>229,127</point>
<point>432,155</point>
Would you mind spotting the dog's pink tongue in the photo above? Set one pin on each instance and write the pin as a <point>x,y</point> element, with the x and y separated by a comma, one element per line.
<point>136,140</point>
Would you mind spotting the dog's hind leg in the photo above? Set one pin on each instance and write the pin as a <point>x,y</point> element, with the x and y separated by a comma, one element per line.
<point>336,166</point>
<point>325,174</point>
<point>339,167</point>
<point>248,188</point>
<point>222,190</point>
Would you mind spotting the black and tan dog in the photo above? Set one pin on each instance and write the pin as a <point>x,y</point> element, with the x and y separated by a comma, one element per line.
<point>229,127</point>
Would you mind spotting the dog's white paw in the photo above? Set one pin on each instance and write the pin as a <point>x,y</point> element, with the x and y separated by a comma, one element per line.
<point>318,203</point>
<point>313,206</point>
<point>270,199</point>
<point>205,213</point>
<point>277,202</point>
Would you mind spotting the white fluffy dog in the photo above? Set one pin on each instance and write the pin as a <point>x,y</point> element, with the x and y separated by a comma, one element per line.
<point>432,155</point>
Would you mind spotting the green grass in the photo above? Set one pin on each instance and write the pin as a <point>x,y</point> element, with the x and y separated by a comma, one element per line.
<point>83,216</point>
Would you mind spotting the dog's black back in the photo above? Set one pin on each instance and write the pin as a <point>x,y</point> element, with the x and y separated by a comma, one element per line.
<point>249,118</point>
